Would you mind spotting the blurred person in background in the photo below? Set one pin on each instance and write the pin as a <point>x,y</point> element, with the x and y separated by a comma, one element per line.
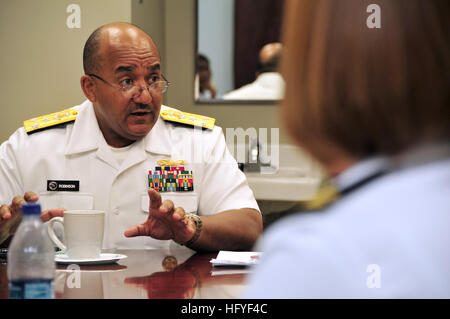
<point>206,87</point>
<point>372,105</point>
<point>269,84</point>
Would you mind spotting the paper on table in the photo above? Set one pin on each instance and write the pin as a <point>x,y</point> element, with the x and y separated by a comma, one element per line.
<point>236,258</point>
<point>222,271</point>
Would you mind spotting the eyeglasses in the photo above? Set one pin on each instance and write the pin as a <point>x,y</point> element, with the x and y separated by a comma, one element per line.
<point>128,86</point>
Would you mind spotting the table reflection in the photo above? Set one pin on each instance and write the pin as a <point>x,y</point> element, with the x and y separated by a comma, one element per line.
<point>156,274</point>
<point>175,282</point>
<point>74,282</point>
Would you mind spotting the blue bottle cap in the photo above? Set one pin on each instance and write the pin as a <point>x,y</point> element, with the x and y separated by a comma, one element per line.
<point>31,209</point>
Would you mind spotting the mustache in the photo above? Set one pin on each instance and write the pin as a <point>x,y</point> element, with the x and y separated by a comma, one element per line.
<point>141,106</point>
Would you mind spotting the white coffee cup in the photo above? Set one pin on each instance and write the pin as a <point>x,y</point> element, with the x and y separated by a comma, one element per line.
<point>83,233</point>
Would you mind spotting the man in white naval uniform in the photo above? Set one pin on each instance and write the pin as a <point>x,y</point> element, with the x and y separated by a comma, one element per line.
<point>117,137</point>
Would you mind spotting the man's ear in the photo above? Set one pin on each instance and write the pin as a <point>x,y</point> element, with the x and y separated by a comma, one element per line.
<point>87,85</point>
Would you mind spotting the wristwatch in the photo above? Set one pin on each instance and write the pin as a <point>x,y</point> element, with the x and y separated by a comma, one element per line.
<point>198,227</point>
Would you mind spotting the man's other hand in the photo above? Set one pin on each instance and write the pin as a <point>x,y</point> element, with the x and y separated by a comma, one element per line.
<point>10,215</point>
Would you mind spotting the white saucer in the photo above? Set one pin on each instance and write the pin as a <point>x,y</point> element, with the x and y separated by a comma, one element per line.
<point>104,259</point>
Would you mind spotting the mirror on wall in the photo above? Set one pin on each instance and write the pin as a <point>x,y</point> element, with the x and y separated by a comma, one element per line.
<point>238,51</point>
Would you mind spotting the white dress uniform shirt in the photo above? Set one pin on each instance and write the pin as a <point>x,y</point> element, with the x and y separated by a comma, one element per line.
<point>79,152</point>
<point>267,86</point>
<point>387,238</point>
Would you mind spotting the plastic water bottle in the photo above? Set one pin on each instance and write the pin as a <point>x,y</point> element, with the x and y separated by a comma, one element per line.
<point>31,258</point>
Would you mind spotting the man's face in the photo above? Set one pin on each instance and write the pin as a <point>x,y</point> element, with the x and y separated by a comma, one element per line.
<point>125,116</point>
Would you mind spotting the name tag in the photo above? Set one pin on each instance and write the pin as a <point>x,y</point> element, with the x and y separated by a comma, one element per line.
<point>67,186</point>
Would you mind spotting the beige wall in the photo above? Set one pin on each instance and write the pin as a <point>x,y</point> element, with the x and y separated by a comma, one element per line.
<point>41,58</point>
<point>149,15</point>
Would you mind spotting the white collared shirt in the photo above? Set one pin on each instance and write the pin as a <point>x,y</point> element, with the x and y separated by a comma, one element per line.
<point>120,153</point>
<point>79,152</point>
<point>267,86</point>
<point>386,239</point>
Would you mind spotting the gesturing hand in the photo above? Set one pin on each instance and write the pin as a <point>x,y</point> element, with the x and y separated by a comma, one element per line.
<point>164,221</point>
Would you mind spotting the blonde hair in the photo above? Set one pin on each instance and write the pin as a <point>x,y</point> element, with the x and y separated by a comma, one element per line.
<point>364,91</point>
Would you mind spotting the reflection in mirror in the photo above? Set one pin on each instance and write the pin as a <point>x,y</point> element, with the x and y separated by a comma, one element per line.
<point>238,51</point>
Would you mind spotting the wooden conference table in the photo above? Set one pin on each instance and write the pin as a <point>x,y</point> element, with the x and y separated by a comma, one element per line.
<point>159,273</point>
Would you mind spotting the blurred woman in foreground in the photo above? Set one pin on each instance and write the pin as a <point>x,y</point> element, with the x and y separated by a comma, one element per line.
<point>372,105</point>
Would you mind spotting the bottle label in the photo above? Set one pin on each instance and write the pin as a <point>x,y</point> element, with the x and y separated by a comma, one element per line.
<point>31,289</point>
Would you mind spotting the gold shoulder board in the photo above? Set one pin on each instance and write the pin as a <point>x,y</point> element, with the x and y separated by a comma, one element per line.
<point>174,115</point>
<point>50,120</point>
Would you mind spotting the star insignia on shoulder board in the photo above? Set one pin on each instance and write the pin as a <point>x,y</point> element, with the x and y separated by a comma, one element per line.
<point>177,116</point>
<point>50,120</point>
